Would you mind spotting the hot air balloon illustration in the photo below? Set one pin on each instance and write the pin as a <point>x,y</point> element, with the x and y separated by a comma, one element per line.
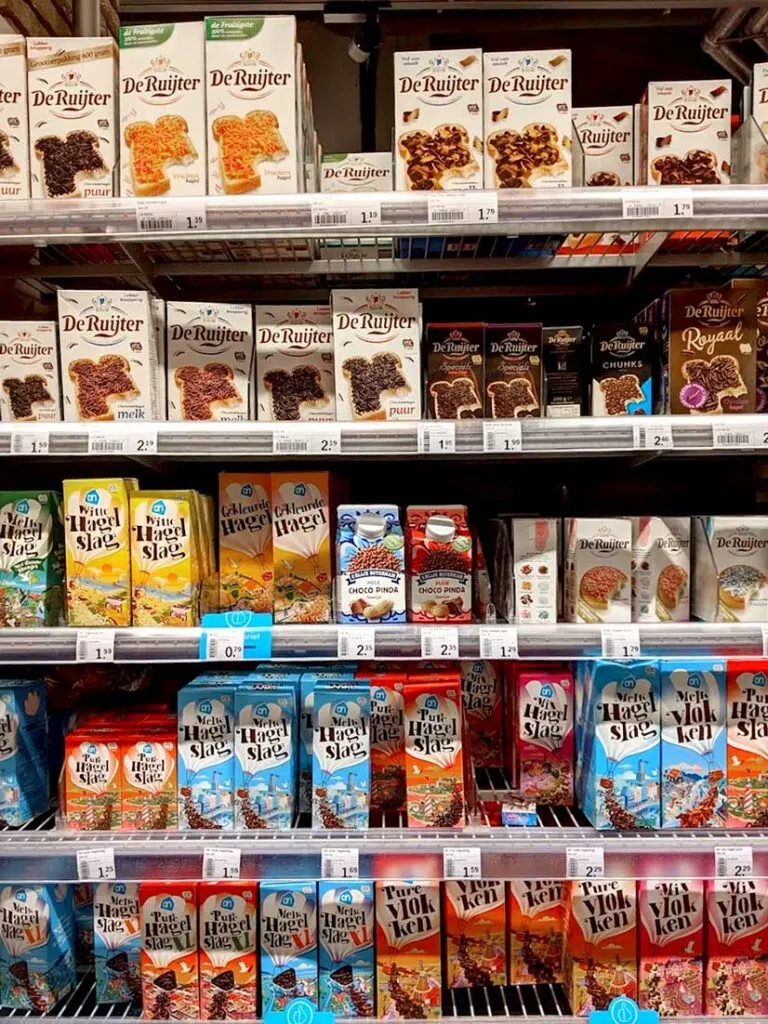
<point>228,952</point>
<point>245,543</point>
<point>264,761</point>
<point>96,521</point>
<point>475,929</point>
<point>288,943</point>
<point>25,937</point>
<point>164,578</point>
<point>345,941</point>
<point>747,784</point>
<point>117,942</point>
<point>92,785</point>
<point>206,758</point>
<point>434,758</point>
<point>301,553</point>
<point>545,723</point>
<point>149,785</point>
<point>387,747</point>
<point>341,758</point>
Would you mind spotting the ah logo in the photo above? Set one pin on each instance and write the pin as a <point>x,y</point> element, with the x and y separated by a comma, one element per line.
<point>92,497</point>
<point>759,679</point>
<point>247,490</point>
<point>431,702</point>
<point>380,695</point>
<point>345,896</point>
<point>91,748</point>
<point>22,507</point>
<point>167,903</point>
<point>227,903</point>
<point>21,895</point>
<point>341,709</point>
<point>300,490</point>
<point>205,707</point>
<point>147,748</point>
<point>158,508</point>
<point>628,683</point>
<point>119,888</point>
<point>695,682</point>
<point>287,900</point>
<point>547,691</point>
<point>262,710</point>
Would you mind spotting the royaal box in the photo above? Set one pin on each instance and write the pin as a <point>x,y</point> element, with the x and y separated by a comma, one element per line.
<point>169,950</point>
<point>475,933</point>
<point>341,756</point>
<point>32,549</point>
<point>206,752</point>
<point>345,934</point>
<point>117,942</point>
<point>37,946</point>
<point>760,287</point>
<point>266,756</point>
<point>661,568</point>
<point>356,172</point>
<point>14,129</point>
<point>228,928</point>
<point>29,371</point>
<point>246,577</point>
<point>527,120</point>
<point>294,363</point>
<point>288,935</point>
<point>671,947</point>
<point>72,117</point>
<point>730,577</point>
<point>408,961</point>
<point>598,570</point>
<point>252,94</point>
<point>747,740</point>
<point>605,135</point>
<point>535,918</point>
<point>685,133</point>
<point>162,110</point>
<point>438,120</point>
<point>736,976</point>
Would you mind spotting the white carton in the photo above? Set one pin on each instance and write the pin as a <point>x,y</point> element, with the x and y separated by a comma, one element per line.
<point>14,125</point>
<point>438,120</point>
<point>294,363</point>
<point>72,117</point>
<point>598,570</point>
<point>534,550</point>
<point>377,350</point>
<point>606,137</point>
<point>527,121</point>
<point>759,88</point>
<point>29,372</point>
<point>157,308</point>
<point>107,354</point>
<point>209,360</point>
<point>356,172</point>
<point>252,96</point>
<point>162,110</point>
<point>686,133</point>
<point>661,569</point>
<point>730,571</point>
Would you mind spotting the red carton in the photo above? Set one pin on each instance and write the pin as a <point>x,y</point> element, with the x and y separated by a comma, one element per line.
<point>408,969</point>
<point>747,726</point>
<point>737,940</point>
<point>544,736</point>
<point>475,933</point>
<point>671,974</point>
<point>434,762</point>
<point>439,563</point>
<point>536,915</point>
<point>169,950</point>
<point>481,693</point>
<point>228,918</point>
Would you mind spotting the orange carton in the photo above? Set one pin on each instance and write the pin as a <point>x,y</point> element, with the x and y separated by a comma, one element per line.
<point>536,915</point>
<point>301,547</point>
<point>736,975</point>
<point>91,782</point>
<point>671,940</point>
<point>387,740</point>
<point>169,951</point>
<point>433,753</point>
<point>408,970</point>
<point>149,780</point>
<point>245,542</point>
<point>747,724</point>
<point>475,933</point>
<point>227,950</point>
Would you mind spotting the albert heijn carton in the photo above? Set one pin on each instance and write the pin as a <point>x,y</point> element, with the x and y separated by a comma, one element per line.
<point>544,736</point>
<point>671,936</point>
<point>341,756</point>
<point>23,751</point>
<point>148,782</point>
<point>481,696</point>
<point>309,681</point>
<point>266,756</point>
<point>474,927</point>
<point>434,753</point>
<point>169,950</point>
<point>737,937</point>
<point>288,930</point>
<point>345,930</point>
<point>535,918</point>
<point>117,942</point>
<point>747,744</point>
<point>206,752</point>
<point>37,946</point>
<point>408,962</point>
<point>228,929</point>
<point>387,741</point>
<point>693,742</point>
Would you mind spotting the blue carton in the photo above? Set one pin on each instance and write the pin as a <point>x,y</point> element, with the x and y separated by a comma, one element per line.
<point>23,751</point>
<point>117,942</point>
<point>266,754</point>
<point>370,562</point>
<point>693,744</point>
<point>82,901</point>
<point>345,948</point>
<point>37,946</point>
<point>341,756</point>
<point>206,756</point>
<point>309,681</point>
<point>288,930</point>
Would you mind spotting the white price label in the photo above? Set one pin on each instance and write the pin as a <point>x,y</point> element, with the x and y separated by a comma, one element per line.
<point>95,645</point>
<point>339,862</point>
<point>356,642</point>
<point>502,436</point>
<point>439,642</point>
<point>224,644</point>
<point>498,643</point>
<point>436,437</point>
<point>665,203</point>
<point>340,213</point>
<point>171,214</point>
<point>221,862</point>
<point>733,861</point>
<point>96,865</point>
<point>621,642</point>
<point>29,441</point>
<point>462,207</point>
<point>129,441</point>
<point>140,441</point>
<point>732,435</point>
<point>462,862</point>
<point>654,436</point>
<point>584,862</point>
<point>303,439</point>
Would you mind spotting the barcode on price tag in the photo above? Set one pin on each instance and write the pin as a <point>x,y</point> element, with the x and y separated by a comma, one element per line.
<point>171,214</point>
<point>584,862</point>
<point>621,642</point>
<point>221,862</point>
<point>320,439</point>
<point>327,213</point>
<point>441,642</point>
<point>438,438</point>
<point>96,865</point>
<point>30,442</point>
<point>667,203</point>
<point>103,443</point>
<point>498,643</point>
<point>224,645</point>
<point>339,862</point>
<point>463,207</point>
<point>655,436</point>
<point>733,861</point>
<point>462,862</point>
<point>356,642</point>
<point>727,435</point>
<point>95,645</point>
<point>502,436</point>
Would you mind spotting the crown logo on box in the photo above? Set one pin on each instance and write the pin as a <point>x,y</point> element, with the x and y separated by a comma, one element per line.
<point>249,55</point>
<point>161,62</point>
<point>71,77</point>
<point>102,302</point>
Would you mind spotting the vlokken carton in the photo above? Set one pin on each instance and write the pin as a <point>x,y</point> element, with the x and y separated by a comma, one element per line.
<point>474,925</point>
<point>536,917</point>
<point>408,961</point>
<point>671,941</point>
<point>737,935</point>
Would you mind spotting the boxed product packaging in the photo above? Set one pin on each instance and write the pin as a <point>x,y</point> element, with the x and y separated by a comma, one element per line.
<point>693,755</point>
<point>14,120</point>
<point>760,287</point>
<point>288,935</point>
<point>565,386</point>
<point>598,570</point>
<point>24,751</point>
<point>474,926</point>
<point>157,309</point>
<point>306,686</point>
<point>730,571</point>
<point>92,798</point>
<point>108,356</point>
<point>711,337</point>
<point>671,947</point>
<point>685,133</point>
<point>32,548</point>
<point>72,96</point>
<point>252,95</point>
<point>341,756</point>
<point>169,950</point>
<point>455,371</point>
<point>535,918</point>
<point>82,901</point>
<point>301,547</point>
<point>206,751</point>
<point>513,374</point>
<point>600,944</point>
<point>209,360</point>
<point>29,368</point>
<point>605,135</point>
<point>434,756</point>
<point>246,577</point>
<point>528,130</point>
<point>544,736</point>
<point>387,742</point>
<point>736,979</point>
<point>377,343</point>
<point>356,172</point>
<point>370,564</point>
<point>661,568</point>
<point>535,547</point>
<point>345,933</point>
<point>439,561</point>
<point>148,781</point>
<point>37,946</point>
<point>228,929</point>
<point>408,967</point>
<point>294,363</point>
<point>438,120</point>
<point>622,370</point>
<point>117,942</point>
<point>481,697</point>
<point>266,756</point>
<point>162,110</point>
<point>747,744</point>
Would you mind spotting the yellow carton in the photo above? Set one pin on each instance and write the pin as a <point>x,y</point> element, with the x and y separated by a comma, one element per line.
<point>97,541</point>
<point>245,542</point>
<point>301,547</point>
<point>165,558</point>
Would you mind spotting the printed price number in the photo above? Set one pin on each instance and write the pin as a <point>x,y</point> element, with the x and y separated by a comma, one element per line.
<point>327,214</point>
<point>621,642</point>
<point>462,862</point>
<point>463,207</point>
<point>95,645</point>
<point>340,862</point>
<point>498,643</point>
<point>584,862</point>
<point>141,442</point>
<point>502,437</point>
<point>325,440</point>
<point>224,644</point>
<point>436,438</point>
<point>30,442</point>
<point>96,865</point>
<point>221,862</point>
<point>654,436</point>
<point>171,214</point>
<point>733,862</point>
<point>440,642</point>
<point>356,642</point>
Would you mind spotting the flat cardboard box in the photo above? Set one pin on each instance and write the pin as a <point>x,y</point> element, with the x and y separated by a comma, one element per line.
<point>14,177</point>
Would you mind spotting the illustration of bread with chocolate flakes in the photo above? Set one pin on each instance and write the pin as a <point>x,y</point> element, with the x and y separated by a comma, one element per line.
<point>154,148</point>
<point>697,167</point>
<point>295,392</point>
<point>710,381</point>
<point>522,158</point>
<point>23,394</point>
<point>245,142</point>
<point>434,158</point>
<point>68,162</point>
<point>8,166</point>
<point>511,398</point>
<point>99,383</point>
<point>455,399</point>
<point>370,380</point>
<point>620,392</point>
<point>206,390</point>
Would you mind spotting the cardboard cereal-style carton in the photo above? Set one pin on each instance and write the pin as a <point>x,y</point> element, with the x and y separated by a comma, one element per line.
<point>513,371</point>
<point>671,937</point>
<point>408,962</point>
<point>536,550</point>
<point>117,942</point>
<point>535,918</point>
<point>82,901</point>
<point>685,133</point>
<point>308,682</point>
<point>294,363</point>
<point>29,373</point>
<point>169,950</point>
<point>14,118</point>
<point>747,744</point>
<point>356,172</point>
<point>439,561</point>
<point>37,946</point>
<point>301,547</point>
<point>24,751</point>
<point>481,694</point>
<point>661,568</point>
<point>606,138</point>
<point>288,933</point>
<point>246,578</point>
<point>148,780</point>
<point>266,768</point>
<point>206,753</point>
<point>434,758</point>
<point>341,756</point>
<point>474,927</point>
<point>387,742</point>
<point>228,919</point>
<point>544,736</point>
<point>598,570</point>
<point>730,569</point>
<point>92,793</point>
<point>737,937</point>
<point>345,948</point>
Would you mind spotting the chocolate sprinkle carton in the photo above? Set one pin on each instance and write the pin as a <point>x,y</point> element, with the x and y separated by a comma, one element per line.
<point>294,364</point>
<point>206,756</point>
<point>434,752</point>
<point>246,576</point>
<point>370,565</point>
<point>387,742</point>
<point>32,567</point>
<point>345,948</point>
<point>301,547</point>
<point>737,935</point>
<point>228,928</point>
<point>266,749</point>
<point>622,370</point>
<point>37,946</point>
<point>408,961</point>
<point>564,377</point>
<point>671,941</point>
<point>117,942</point>
<point>288,933</point>
<point>536,917</point>
<point>685,133</point>
<point>474,925</point>
<point>513,371</point>
<point>455,371</point>
<point>23,751</point>
<point>544,736</point>
<point>730,570</point>
<point>169,950</point>
<point>481,695</point>
<point>341,756</point>
<point>14,119</point>
<point>29,369</point>
<point>747,744</point>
